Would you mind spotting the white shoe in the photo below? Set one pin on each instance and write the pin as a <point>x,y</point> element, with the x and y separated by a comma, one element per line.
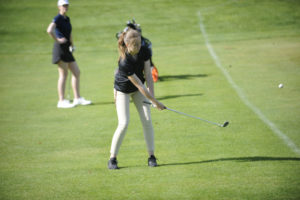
<point>81,101</point>
<point>65,104</point>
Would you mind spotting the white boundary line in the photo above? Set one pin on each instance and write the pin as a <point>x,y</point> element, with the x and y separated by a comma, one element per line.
<point>241,94</point>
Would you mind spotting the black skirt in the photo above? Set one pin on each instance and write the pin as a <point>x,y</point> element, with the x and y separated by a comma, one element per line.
<point>62,52</point>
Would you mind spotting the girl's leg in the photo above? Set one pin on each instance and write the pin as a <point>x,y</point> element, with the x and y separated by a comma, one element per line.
<point>122,106</point>
<point>62,77</point>
<point>75,79</point>
<point>145,116</point>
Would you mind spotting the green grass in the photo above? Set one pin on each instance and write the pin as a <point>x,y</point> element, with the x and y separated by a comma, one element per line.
<point>48,153</point>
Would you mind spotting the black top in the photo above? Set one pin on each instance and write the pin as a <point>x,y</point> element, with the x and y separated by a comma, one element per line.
<point>147,43</point>
<point>130,66</point>
<point>63,26</point>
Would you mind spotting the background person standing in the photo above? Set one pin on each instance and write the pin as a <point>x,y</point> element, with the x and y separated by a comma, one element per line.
<point>60,30</point>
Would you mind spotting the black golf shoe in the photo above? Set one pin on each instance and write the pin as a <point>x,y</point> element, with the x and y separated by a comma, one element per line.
<point>113,163</point>
<point>152,161</point>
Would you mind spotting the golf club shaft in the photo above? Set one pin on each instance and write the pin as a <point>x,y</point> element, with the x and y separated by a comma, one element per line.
<point>194,117</point>
<point>189,115</point>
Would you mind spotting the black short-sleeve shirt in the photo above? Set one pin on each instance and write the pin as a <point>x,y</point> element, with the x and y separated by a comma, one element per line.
<point>128,67</point>
<point>63,26</point>
<point>147,43</point>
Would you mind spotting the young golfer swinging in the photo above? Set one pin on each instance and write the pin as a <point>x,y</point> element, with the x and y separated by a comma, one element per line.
<point>134,69</point>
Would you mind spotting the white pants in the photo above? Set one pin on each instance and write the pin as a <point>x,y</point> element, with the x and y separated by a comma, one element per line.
<point>122,106</point>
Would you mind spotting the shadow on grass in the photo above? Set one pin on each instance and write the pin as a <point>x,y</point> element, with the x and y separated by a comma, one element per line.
<point>102,103</point>
<point>181,77</point>
<point>158,98</point>
<point>177,96</point>
<point>239,159</point>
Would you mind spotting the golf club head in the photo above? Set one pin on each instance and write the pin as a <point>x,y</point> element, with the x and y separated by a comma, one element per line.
<point>225,124</point>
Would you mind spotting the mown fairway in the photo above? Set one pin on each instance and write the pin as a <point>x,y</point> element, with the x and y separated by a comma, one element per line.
<point>48,153</point>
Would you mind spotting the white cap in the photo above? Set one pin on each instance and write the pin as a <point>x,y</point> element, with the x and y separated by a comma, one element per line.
<point>62,2</point>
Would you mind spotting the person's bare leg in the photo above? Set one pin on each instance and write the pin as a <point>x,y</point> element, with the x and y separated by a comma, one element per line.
<point>62,77</point>
<point>75,79</point>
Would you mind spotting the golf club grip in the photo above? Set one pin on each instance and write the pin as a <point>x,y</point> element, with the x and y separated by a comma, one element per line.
<point>146,102</point>
<point>149,103</point>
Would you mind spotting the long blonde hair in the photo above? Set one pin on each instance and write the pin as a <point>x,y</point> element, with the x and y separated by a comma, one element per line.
<point>130,38</point>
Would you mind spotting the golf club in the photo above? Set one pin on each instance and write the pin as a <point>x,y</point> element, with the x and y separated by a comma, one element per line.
<point>221,125</point>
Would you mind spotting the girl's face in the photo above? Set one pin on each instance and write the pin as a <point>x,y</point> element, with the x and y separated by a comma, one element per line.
<point>63,9</point>
<point>134,46</point>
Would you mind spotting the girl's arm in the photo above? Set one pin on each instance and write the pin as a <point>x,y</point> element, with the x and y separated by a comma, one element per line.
<point>141,87</point>
<point>50,31</point>
<point>148,77</point>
